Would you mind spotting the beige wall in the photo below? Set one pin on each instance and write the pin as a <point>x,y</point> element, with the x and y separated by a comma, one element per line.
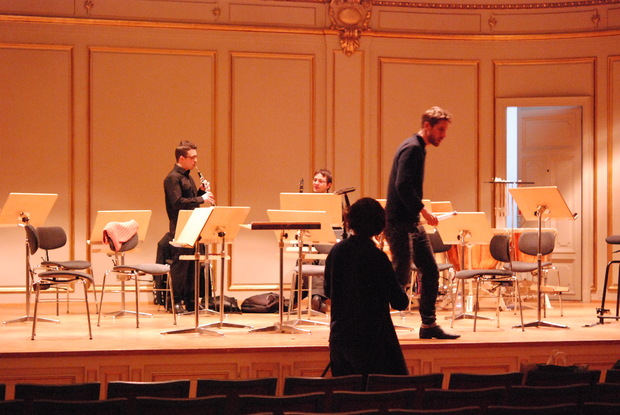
<point>92,110</point>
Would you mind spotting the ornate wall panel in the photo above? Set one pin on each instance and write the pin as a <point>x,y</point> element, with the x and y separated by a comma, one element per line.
<point>613,153</point>
<point>278,15</point>
<point>428,21</point>
<point>37,139</point>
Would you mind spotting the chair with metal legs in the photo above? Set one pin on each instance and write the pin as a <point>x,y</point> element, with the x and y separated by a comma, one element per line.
<point>600,312</point>
<point>135,272</point>
<point>500,251</point>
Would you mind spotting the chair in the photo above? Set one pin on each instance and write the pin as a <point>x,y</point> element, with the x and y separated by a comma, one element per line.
<point>309,271</point>
<point>528,244</point>
<point>49,238</point>
<point>70,392</point>
<point>561,409</point>
<point>236,387</point>
<point>13,407</point>
<point>558,376</point>
<point>61,279</point>
<point>251,404</point>
<point>484,380</point>
<point>612,376</point>
<point>2,391</point>
<point>163,389</point>
<point>134,272</point>
<point>380,382</point>
<point>382,400</point>
<point>468,410</point>
<point>460,398</point>
<point>299,385</point>
<point>525,395</point>
<point>364,412</point>
<point>206,405</point>
<point>500,251</point>
<point>439,248</point>
<point>606,392</point>
<point>96,407</point>
<point>600,408</point>
<point>611,240</point>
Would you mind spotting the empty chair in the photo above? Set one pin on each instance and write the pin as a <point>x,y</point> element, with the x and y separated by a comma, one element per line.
<point>562,409</point>
<point>379,382</point>
<point>135,272</point>
<point>2,391</point>
<point>600,408</point>
<point>561,376</point>
<point>70,392</point>
<point>299,385</point>
<point>484,380</point>
<point>97,407</point>
<point>235,387</point>
<point>606,392</point>
<point>13,407</point>
<point>468,410</point>
<point>382,400</point>
<point>459,398</point>
<point>500,251</point>
<point>524,395</point>
<point>612,376</point>
<point>252,404</point>
<point>163,389</point>
<point>206,405</point>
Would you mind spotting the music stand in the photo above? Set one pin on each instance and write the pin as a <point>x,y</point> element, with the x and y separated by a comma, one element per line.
<point>21,209</point>
<point>191,223</point>
<point>324,202</point>
<point>325,234</point>
<point>143,218</point>
<point>465,229</point>
<point>534,204</point>
<point>223,226</point>
<point>283,230</point>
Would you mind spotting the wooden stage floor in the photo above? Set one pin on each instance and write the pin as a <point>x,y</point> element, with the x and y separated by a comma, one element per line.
<point>120,351</point>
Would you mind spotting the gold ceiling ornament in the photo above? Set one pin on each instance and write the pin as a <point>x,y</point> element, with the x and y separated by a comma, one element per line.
<point>350,18</point>
<point>492,23</point>
<point>88,5</point>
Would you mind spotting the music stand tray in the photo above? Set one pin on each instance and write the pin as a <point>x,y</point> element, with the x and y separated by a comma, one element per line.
<point>27,209</point>
<point>545,202</point>
<point>284,230</point>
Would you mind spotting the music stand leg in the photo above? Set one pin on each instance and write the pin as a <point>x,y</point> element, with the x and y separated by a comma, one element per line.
<point>220,324</point>
<point>196,328</point>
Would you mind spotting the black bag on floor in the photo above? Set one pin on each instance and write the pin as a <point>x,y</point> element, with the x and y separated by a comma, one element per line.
<point>230,304</point>
<point>261,303</point>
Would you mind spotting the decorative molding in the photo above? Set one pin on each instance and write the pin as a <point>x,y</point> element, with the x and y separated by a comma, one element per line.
<point>88,5</point>
<point>494,6</point>
<point>350,18</point>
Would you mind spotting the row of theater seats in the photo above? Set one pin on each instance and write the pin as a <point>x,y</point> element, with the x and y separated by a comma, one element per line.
<point>470,393</point>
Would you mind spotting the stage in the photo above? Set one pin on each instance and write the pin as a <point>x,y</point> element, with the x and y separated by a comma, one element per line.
<point>62,352</point>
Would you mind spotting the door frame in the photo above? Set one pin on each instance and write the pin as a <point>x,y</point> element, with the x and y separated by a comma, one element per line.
<point>587,169</point>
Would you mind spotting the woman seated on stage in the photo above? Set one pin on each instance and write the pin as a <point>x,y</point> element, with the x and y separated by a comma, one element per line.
<point>362,285</point>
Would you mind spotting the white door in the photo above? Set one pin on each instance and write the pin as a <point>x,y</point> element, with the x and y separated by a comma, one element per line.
<point>549,153</point>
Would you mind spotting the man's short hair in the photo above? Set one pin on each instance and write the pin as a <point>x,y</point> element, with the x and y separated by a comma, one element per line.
<point>325,173</point>
<point>366,217</point>
<point>183,148</point>
<point>435,114</point>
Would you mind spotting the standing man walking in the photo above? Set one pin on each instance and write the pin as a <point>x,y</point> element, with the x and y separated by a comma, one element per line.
<point>407,240</point>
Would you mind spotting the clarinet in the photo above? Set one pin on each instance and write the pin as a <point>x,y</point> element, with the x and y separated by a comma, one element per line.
<point>204,181</point>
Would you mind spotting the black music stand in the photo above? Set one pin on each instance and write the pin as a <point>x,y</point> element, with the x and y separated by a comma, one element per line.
<point>283,230</point>
<point>536,203</point>
<point>21,209</point>
<point>223,226</point>
<point>465,229</point>
<point>189,237</point>
<point>325,234</point>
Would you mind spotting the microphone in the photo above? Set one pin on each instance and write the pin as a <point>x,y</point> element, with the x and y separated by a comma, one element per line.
<point>301,185</point>
<point>344,191</point>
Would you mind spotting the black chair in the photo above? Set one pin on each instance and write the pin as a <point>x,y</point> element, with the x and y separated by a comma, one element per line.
<point>600,408</point>
<point>13,407</point>
<point>163,389</point>
<point>207,405</point>
<point>500,251</point>
<point>137,273</point>
<point>252,404</point>
<point>98,407</point>
<point>484,380</point>
<point>379,382</point>
<point>382,400</point>
<point>469,410</point>
<point>460,398</point>
<point>606,392</point>
<point>294,385</point>
<point>559,375</point>
<point>71,392</point>
<point>612,376</point>
<point>364,412</point>
<point>602,311</point>
<point>236,387</point>
<point>525,395</point>
<point>562,409</point>
<point>2,391</point>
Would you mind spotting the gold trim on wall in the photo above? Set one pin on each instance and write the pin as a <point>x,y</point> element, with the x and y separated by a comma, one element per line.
<point>495,6</point>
